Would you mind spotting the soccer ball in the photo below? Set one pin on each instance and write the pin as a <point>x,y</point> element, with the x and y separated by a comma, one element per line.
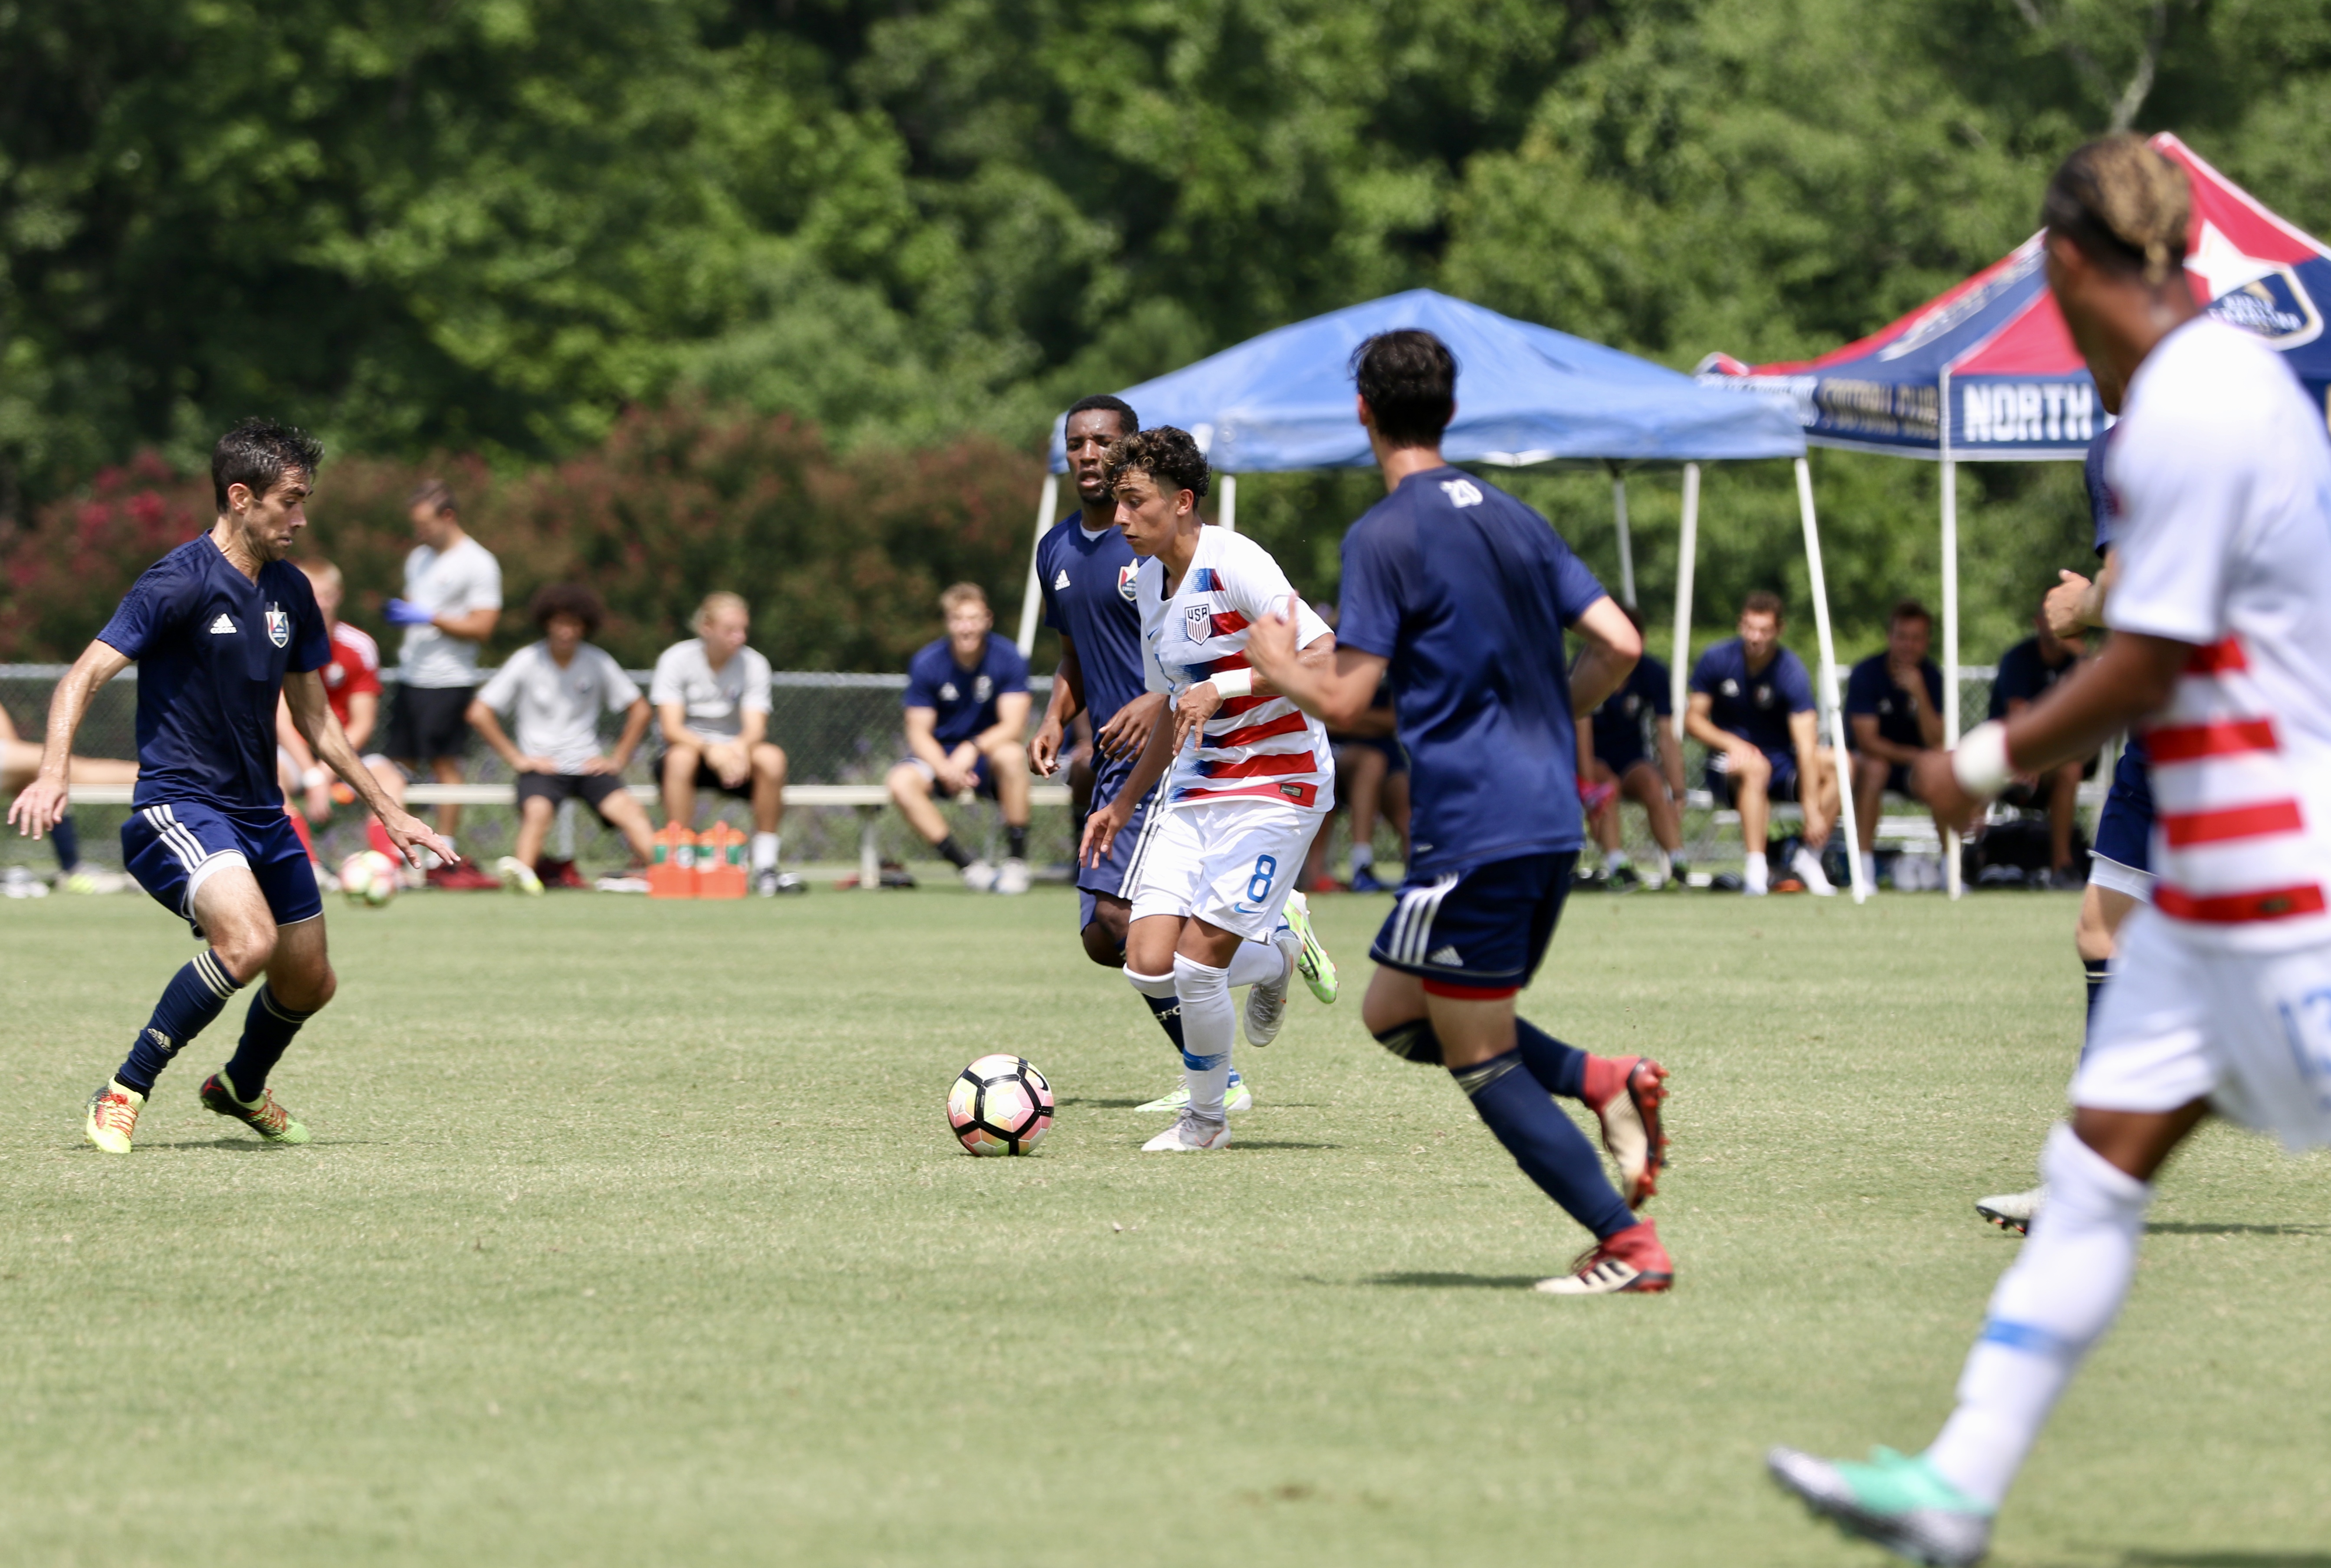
<point>368,878</point>
<point>1000,1106</point>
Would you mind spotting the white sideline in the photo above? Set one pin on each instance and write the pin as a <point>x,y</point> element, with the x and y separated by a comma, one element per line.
<point>867,799</point>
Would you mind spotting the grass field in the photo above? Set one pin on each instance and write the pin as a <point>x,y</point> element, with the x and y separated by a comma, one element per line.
<point>632,1234</point>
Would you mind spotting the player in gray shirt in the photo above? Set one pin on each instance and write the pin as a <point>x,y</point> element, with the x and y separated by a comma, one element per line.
<point>556,688</point>
<point>712,697</point>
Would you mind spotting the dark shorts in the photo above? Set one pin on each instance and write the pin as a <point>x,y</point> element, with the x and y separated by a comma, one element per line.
<point>1898,778</point>
<point>1480,933</point>
<point>1395,754</point>
<point>173,849</point>
<point>2125,827</point>
<point>429,721</point>
<point>558,788</point>
<point>1620,758</point>
<point>706,779</point>
<point>1725,788</point>
<point>1108,878</point>
<point>983,778</point>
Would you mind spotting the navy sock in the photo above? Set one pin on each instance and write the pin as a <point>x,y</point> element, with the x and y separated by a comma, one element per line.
<point>1559,1068</point>
<point>954,853</point>
<point>66,839</point>
<point>196,995</point>
<point>267,1031</point>
<point>1168,1011</point>
<point>1549,1148</point>
<point>1015,841</point>
<point>2099,970</point>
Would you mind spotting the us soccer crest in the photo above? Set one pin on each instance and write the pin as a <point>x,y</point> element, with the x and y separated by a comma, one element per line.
<point>1198,621</point>
<point>1124,576</point>
<point>279,626</point>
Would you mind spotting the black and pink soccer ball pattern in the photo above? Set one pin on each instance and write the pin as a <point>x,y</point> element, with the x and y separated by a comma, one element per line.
<point>1000,1106</point>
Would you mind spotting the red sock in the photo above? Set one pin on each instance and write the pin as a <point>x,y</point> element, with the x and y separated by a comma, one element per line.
<point>300,826</point>
<point>377,837</point>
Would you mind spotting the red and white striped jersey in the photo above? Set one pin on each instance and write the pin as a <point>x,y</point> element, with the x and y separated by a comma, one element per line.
<point>2220,472</point>
<point>1254,746</point>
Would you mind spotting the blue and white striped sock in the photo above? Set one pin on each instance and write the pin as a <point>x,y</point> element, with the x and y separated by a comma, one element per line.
<point>195,996</point>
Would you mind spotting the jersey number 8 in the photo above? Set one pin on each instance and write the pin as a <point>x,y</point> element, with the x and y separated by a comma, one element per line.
<point>1258,886</point>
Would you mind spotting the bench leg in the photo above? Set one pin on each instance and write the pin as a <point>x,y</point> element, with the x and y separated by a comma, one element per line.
<point>562,840</point>
<point>869,861</point>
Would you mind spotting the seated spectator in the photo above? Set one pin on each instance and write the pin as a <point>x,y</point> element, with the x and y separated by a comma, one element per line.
<point>453,602</point>
<point>2026,672</point>
<point>20,759</point>
<point>1372,784</point>
<point>1617,755</point>
<point>352,686</point>
<point>711,697</point>
<point>557,688</point>
<point>1893,712</point>
<point>1752,705</point>
<point>966,719</point>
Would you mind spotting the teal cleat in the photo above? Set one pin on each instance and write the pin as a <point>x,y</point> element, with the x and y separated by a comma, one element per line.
<point>1318,970</point>
<point>1896,1500</point>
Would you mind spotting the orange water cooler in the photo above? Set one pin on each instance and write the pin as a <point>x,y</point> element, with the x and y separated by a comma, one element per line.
<point>720,871</point>
<point>671,874</point>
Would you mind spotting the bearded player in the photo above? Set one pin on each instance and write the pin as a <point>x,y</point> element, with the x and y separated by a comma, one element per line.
<point>1251,779</point>
<point>2220,645</point>
<point>1461,594</point>
<point>219,627</point>
<point>1085,571</point>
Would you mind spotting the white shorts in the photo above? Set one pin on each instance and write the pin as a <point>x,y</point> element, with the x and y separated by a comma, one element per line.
<point>2179,1021</point>
<point>1231,863</point>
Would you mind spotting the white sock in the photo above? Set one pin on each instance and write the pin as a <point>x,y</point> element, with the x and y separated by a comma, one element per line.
<point>2055,1301</point>
<point>1257,963</point>
<point>1614,858</point>
<point>1869,867</point>
<point>765,851</point>
<point>1363,857</point>
<point>1756,874</point>
<point>1665,863</point>
<point>1209,1024</point>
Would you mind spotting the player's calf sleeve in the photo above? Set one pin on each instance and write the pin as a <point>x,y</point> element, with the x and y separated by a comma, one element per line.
<point>1544,1142</point>
<point>2096,971</point>
<point>1559,1068</point>
<point>2052,1305</point>
<point>267,1031</point>
<point>195,996</point>
<point>1164,1003</point>
<point>1413,1042</point>
<point>1209,1026</point>
<point>1257,963</point>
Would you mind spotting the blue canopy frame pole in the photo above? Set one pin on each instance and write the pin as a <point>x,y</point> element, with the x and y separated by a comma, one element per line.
<point>1953,873</point>
<point>1048,505</point>
<point>1826,703</point>
<point>1626,543</point>
<point>1687,557</point>
<point>1226,509</point>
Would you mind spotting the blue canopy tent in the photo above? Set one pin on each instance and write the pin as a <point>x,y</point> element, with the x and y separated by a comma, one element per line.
<point>1527,395</point>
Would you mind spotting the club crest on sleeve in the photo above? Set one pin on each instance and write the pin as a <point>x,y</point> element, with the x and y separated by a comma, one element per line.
<point>279,626</point>
<point>1198,623</point>
<point>1124,576</point>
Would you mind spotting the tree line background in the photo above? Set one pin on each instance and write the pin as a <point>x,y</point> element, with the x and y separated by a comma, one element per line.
<point>782,295</point>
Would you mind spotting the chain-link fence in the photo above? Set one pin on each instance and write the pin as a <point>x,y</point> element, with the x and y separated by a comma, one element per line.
<point>835,730</point>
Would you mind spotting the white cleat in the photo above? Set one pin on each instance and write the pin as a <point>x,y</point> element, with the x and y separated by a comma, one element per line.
<point>2014,1211</point>
<point>517,876</point>
<point>1012,876</point>
<point>1808,867</point>
<point>1266,1005</point>
<point>1189,1136</point>
<point>979,876</point>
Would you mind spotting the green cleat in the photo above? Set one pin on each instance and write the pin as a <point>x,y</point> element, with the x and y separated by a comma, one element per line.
<point>113,1116</point>
<point>1896,1500</point>
<point>264,1116</point>
<point>1318,970</point>
<point>1237,1097</point>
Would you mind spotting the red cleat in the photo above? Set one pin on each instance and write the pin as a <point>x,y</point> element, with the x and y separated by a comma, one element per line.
<point>1624,1093</point>
<point>1632,1262</point>
<point>464,878</point>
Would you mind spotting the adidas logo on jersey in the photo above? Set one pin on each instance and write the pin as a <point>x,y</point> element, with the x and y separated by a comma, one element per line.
<point>1061,581</point>
<point>1446,956</point>
<point>224,626</point>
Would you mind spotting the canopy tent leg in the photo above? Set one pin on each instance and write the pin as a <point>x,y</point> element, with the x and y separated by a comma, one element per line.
<point>1226,509</point>
<point>1953,873</point>
<point>1626,542</point>
<point>1826,698</point>
<point>1687,557</point>
<point>1047,506</point>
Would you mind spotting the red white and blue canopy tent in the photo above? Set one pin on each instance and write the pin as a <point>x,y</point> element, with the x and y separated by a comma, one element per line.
<point>1986,371</point>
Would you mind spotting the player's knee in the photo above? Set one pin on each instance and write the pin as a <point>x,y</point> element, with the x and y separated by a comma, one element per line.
<point>245,950</point>
<point>1103,946</point>
<point>907,783</point>
<point>1412,1039</point>
<point>770,762</point>
<point>680,765</point>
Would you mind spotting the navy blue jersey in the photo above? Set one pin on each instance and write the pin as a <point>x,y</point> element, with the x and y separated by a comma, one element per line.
<point>1465,591</point>
<point>1755,708</point>
<point>1619,722</point>
<point>2025,676</point>
<point>964,700</point>
<point>1088,587</point>
<point>1871,691</point>
<point>2102,509</point>
<point>212,648</point>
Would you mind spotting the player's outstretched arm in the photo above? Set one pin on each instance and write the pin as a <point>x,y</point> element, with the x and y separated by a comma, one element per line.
<point>1336,691</point>
<point>41,803</point>
<point>311,716</point>
<point>1612,647</point>
<point>1102,826</point>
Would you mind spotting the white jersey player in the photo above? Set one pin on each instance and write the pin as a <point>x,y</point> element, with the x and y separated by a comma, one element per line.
<point>2220,651</point>
<point>1250,781</point>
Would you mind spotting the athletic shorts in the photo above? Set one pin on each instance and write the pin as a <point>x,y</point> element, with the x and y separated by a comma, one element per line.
<point>1480,933</point>
<point>707,779</point>
<point>2180,1021</point>
<point>558,788</point>
<point>173,849</point>
<point>429,721</point>
<point>1725,788</point>
<point>2122,859</point>
<point>1395,754</point>
<point>1897,779</point>
<point>1230,863</point>
<point>1110,878</point>
<point>983,778</point>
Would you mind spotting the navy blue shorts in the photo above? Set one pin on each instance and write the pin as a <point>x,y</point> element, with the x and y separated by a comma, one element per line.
<point>1108,878</point>
<point>983,778</point>
<point>173,849</point>
<point>2125,827</point>
<point>1621,758</point>
<point>1783,787</point>
<point>1394,753</point>
<point>1480,933</point>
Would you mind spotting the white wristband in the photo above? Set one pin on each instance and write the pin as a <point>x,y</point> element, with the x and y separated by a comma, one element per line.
<point>313,779</point>
<point>1234,682</point>
<point>1980,763</point>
